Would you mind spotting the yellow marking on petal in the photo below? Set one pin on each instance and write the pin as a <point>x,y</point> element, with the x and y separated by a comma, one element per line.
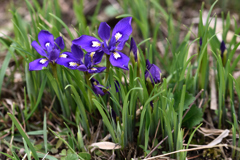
<point>95,83</point>
<point>43,61</point>
<point>118,36</point>
<point>63,55</point>
<point>92,54</point>
<point>93,69</point>
<point>96,44</point>
<point>73,64</point>
<point>116,55</point>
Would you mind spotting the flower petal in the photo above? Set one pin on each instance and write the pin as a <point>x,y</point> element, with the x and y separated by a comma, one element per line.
<point>104,31</point>
<point>153,74</point>
<point>67,55</point>
<point>54,54</point>
<point>94,81</point>
<point>120,60</point>
<point>82,67</point>
<point>148,64</point>
<point>89,43</point>
<point>97,57</point>
<point>46,40</point>
<point>122,42</point>
<point>133,49</point>
<point>38,64</point>
<point>59,43</point>
<point>92,58</point>
<point>98,90</point>
<point>87,60</point>
<point>39,49</point>
<point>69,63</point>
<point>223,48</point>
<point>77,52</point>
<point>122,27</point>
<point>96,69</point>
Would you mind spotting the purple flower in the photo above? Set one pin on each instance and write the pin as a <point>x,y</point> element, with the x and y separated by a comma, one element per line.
<point>120,35</point>
<point>49,48</point>
<point>97,88</point>
<point>92,58</point>
<point>134,50</point>
<point>223,48</point>
<point>74,60</point>
<point>152,73</point>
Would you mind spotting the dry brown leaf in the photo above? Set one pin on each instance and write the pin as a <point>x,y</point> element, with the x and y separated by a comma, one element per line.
<point>208,132</point>
<point>219,139</point>
<point>106,145</point>
<point>213,105</point>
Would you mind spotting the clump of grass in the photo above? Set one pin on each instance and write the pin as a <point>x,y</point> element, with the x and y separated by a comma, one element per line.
<point>139,103</point>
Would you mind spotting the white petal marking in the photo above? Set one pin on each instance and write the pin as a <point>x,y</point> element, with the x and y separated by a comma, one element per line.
<point>47,44</point>
<point>116,55</point>
<point>63,55</point>
<point>43,61</point>
<point>96,44</point>
<point>93,69</point>
<point>73,64</point>
<point>118,36</point>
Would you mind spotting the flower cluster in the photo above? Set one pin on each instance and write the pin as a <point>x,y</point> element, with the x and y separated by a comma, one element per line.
<point>48,48</point>
<point>120,35</point>
<point>110,44</point>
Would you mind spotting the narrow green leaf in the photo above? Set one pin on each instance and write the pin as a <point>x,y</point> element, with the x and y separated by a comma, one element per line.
<point>22,132</point>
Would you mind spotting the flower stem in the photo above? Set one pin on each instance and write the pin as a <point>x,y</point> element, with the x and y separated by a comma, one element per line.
<point>87,76</point>
<point>54,69</point>
<point>107,68</point>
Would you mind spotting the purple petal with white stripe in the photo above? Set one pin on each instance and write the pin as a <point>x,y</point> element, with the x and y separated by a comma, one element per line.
<point>89,43</point>
<point>46,40</point>
<point>122,27</point>
<point>69,63</point>
<point>96,69</point>
<point>122,42</point>
<point>38,64</point>
<point>120,60</point>
<point>67,55</point>
<point>93,58</point>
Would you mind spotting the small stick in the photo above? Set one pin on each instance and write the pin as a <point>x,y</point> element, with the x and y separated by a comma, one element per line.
<point>156,133</point>
<point>199,93</point>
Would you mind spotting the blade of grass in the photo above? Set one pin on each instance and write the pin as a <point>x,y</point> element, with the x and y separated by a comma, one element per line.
<point>22,132</point>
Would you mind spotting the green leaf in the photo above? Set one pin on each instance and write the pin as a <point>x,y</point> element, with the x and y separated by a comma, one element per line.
<point>189,98</point>
<point>24,135</point>
<point>72,157</point>
<point>193,117</point>
<point>4,66</point>
<point>85,155</point>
